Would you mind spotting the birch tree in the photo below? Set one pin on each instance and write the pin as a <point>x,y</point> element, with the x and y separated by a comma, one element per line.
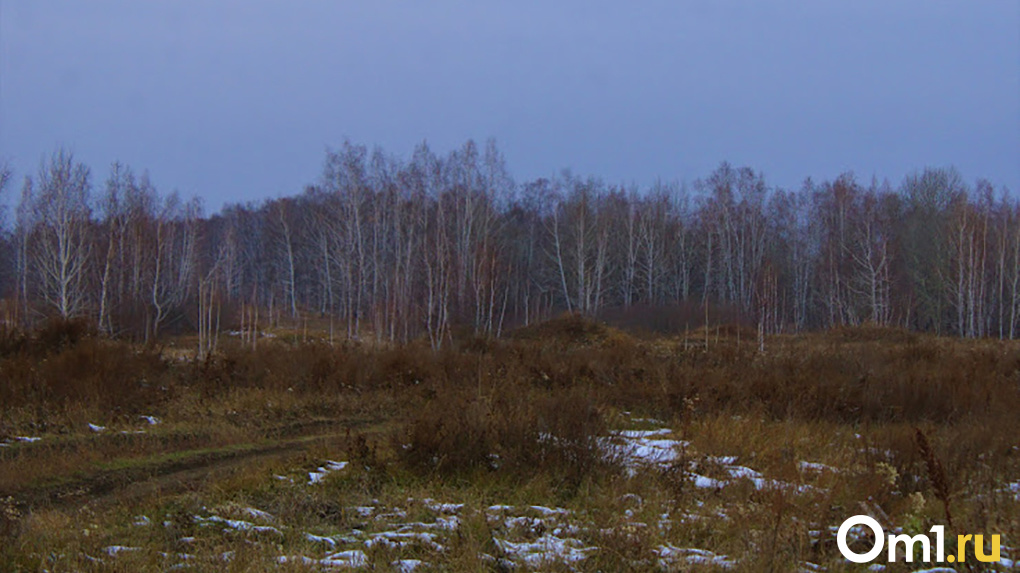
<point>58,244</point>
<point>7,258</point>
<point>173,260</point>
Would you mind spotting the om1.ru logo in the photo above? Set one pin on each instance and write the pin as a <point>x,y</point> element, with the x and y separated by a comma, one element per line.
<point>908,543</point>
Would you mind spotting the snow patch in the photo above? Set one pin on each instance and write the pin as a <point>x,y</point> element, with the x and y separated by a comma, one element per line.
<point>816,467</point>
<point>669,554</point>
<point>323,471</point>
<point>545,549</point>
<point>646,421</point>
<point>402,539</point>
<point>320,539</point>
<point>237,524</point>
<point>257,514</point>
<point>406,565</point>
<point>638,434</point>
<point>113,550</point>
<point>642,448</point>
<point>432,505</point>
<point>349,558</point>
<point>703,482</point>
<point>363,510</point>
<point>549,511</point>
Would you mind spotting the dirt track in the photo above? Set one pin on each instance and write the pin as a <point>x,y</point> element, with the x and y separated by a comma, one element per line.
<point>176,471</point>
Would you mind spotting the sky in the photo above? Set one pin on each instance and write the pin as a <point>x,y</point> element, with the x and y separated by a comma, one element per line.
<point>235,101</point>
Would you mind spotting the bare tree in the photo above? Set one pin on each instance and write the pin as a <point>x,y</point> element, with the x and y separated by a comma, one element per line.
<point>8,248</point>
<point>868,248</point>
<point>6,175</point>
<point>58,243</point>
<point>400,249</point>
<point>929,195</point>
<point>115,220</point>
<point>173,260</point>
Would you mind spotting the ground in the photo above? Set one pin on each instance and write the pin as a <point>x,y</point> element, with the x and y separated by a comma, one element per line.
<point>568,446</point>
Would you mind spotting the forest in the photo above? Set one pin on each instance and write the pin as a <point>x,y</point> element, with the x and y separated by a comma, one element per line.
<point>393,249</point>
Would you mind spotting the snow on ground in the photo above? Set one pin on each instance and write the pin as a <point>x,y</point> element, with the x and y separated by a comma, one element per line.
<point>23,439</point>
<point>548,511</point>
<point>646,421</point>
<point>240,524</point>
<point>237,524</point>
<point>95,428</point>
<point>536,536</point>
<point>348,559</point>
<point>738,472</point>
<point>656,449</point>
<point>255,513</point>
<point>547,548</point>
<point>703,482</point>
<point>115,549</point>
<point>816,467</point>
<point>638,434</point>
<point>643,448</point>
<point>403,538</point>
<point>351,559</point>
<point>320,539</point>
<point>528,536</point>
<point>323,471</point>
<point>437,507</point>
<point>524,536</point>
<point>406,565</point>
<point>364,510</point>
<point>670,555</point>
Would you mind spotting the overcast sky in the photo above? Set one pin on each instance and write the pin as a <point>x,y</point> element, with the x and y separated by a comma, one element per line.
<point>235,101</point>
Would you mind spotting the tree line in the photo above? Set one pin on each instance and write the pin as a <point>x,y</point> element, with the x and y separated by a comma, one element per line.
<point>396,249</point>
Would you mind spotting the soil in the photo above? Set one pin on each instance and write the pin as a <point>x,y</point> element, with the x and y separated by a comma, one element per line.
<point>185,469</point>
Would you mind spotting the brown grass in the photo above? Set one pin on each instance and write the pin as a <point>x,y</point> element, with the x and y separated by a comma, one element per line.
<point>908,421</point>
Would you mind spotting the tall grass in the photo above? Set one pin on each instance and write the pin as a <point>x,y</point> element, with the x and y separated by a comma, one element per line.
<point>905,417</point>
<point>846,376</point>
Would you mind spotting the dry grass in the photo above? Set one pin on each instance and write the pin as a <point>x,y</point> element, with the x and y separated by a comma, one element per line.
<point>909,428</point>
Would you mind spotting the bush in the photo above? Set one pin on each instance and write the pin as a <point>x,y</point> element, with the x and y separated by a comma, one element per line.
<point>520,431</point>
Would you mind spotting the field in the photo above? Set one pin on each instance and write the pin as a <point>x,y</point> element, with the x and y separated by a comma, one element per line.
<point>568,445</point>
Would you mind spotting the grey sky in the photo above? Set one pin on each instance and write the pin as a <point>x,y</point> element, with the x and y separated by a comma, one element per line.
<point>238,100</point>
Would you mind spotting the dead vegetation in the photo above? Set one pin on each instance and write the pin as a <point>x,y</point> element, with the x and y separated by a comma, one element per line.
<point>777,446</point>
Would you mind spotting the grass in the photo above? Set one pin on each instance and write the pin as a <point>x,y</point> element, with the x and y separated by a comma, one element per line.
<point>777,448</point>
